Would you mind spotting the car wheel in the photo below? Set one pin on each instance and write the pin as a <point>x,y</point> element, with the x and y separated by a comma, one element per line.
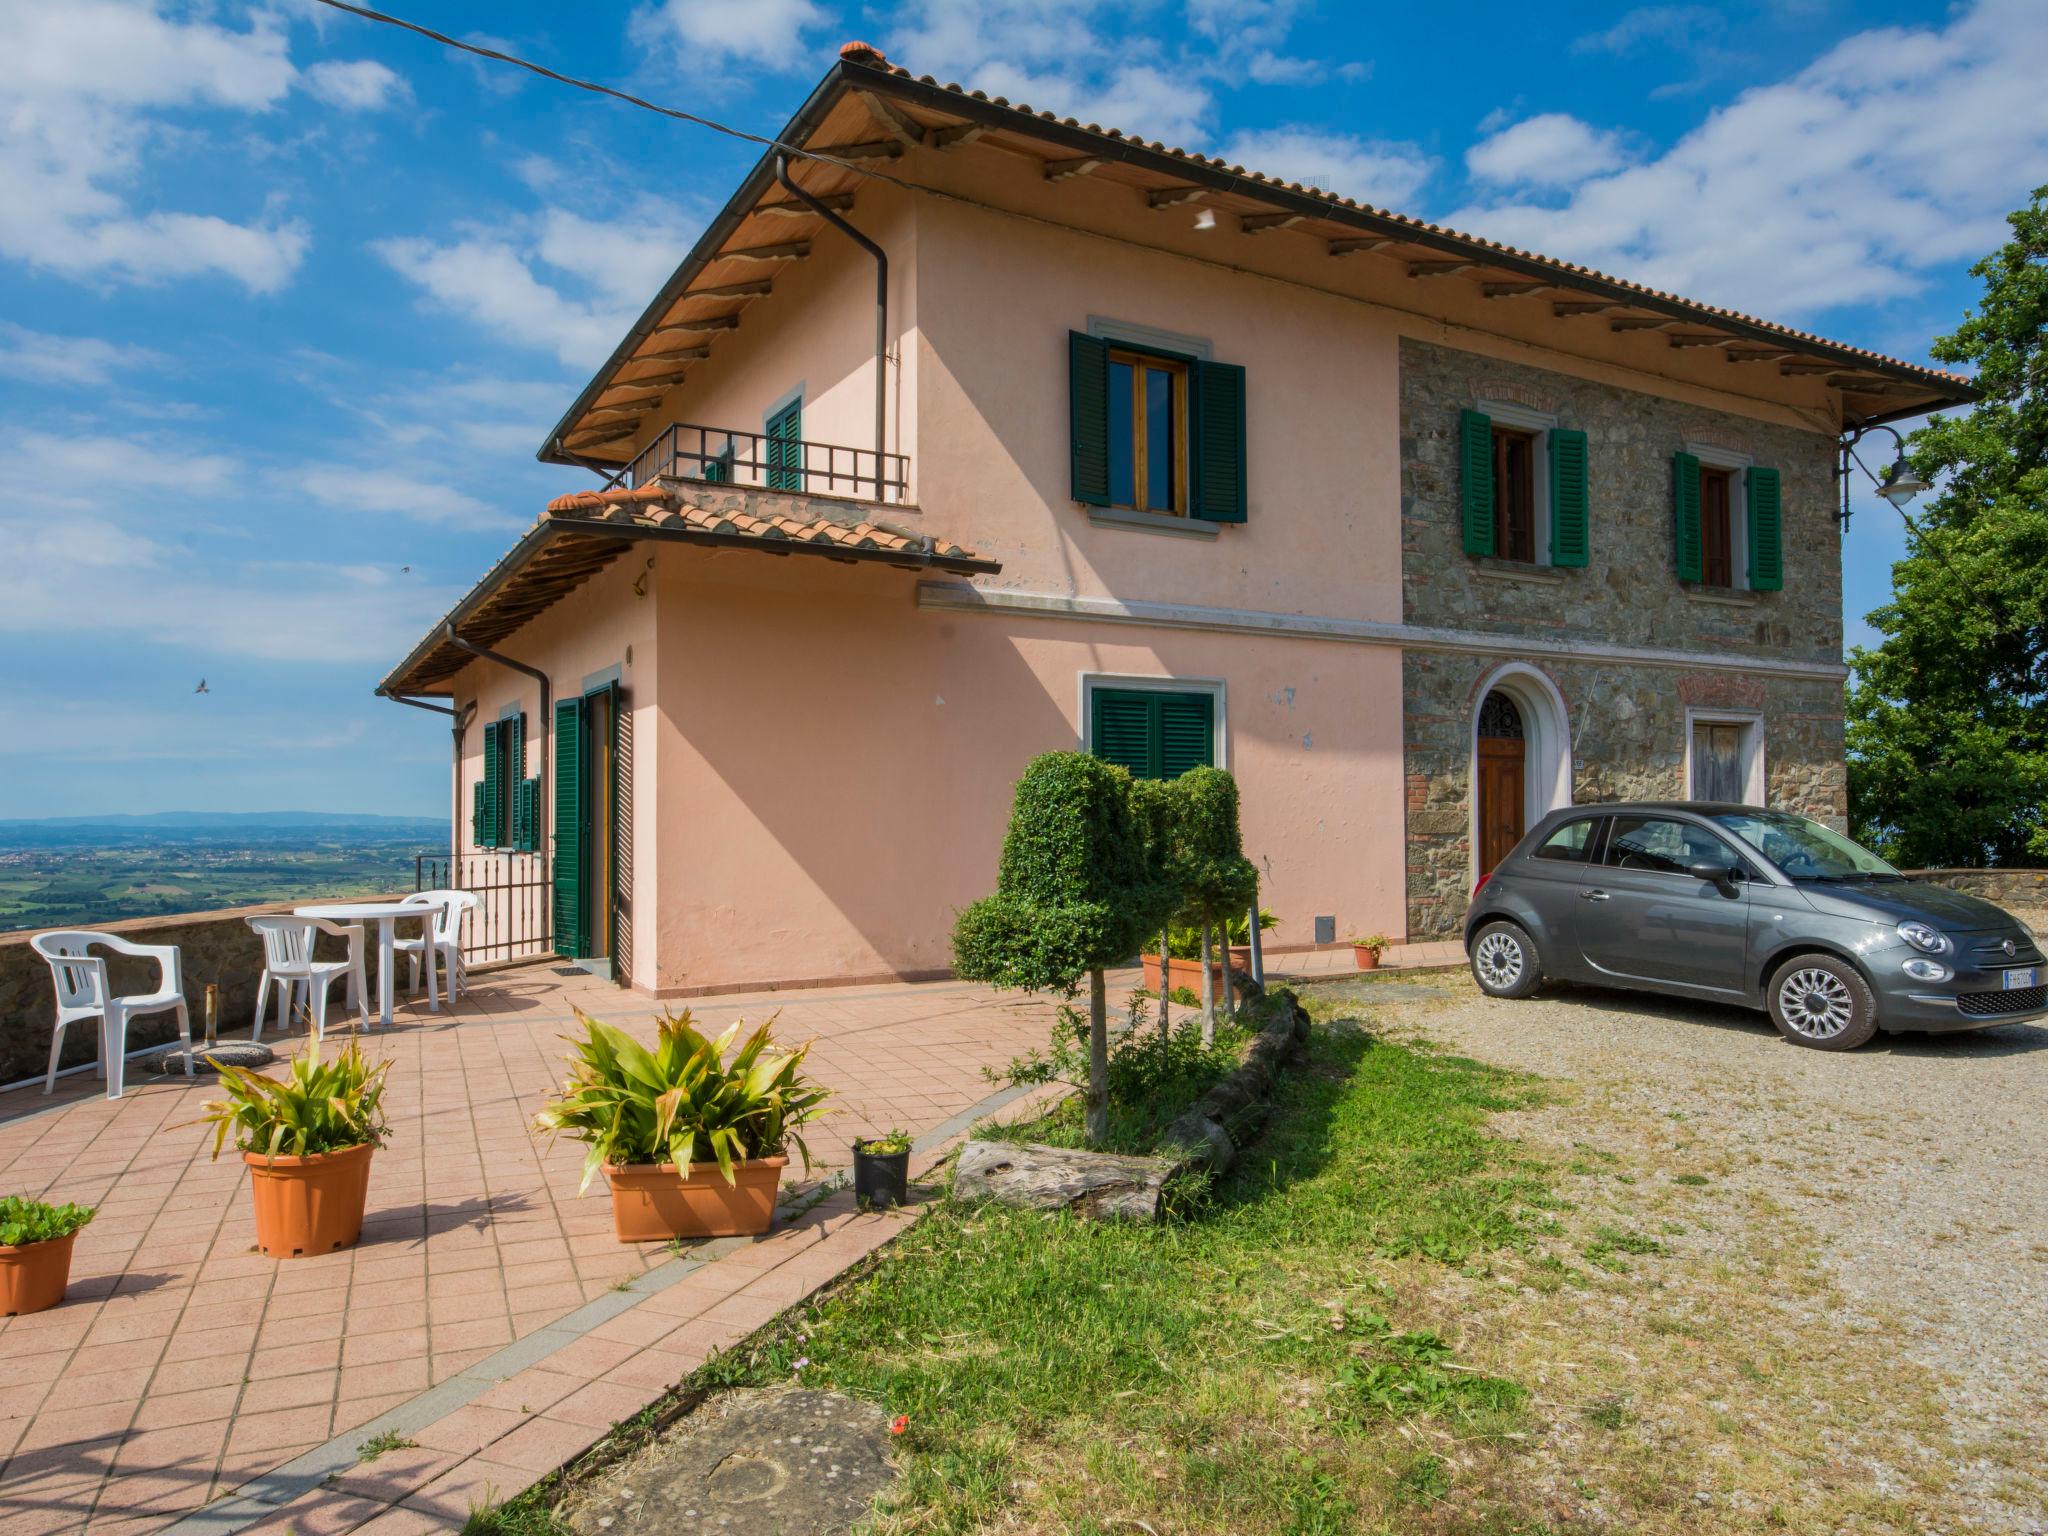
<point>1823,1003</point>
<point>1504,961</point>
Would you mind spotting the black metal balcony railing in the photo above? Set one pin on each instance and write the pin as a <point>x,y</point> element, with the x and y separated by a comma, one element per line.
<point>724,456</point>
<point>515,902</point>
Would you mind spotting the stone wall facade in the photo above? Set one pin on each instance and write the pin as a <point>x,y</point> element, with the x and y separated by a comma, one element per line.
<point>1621,725</point>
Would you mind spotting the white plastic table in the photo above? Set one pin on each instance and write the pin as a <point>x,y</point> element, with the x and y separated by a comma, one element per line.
<point>386,915</point>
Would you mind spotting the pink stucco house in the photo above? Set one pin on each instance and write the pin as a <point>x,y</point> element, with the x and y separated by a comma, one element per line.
<point>1061,438</point>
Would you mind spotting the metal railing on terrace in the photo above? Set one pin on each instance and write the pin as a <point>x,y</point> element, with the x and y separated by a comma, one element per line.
<point>725,456</point>
<point>515,910</point>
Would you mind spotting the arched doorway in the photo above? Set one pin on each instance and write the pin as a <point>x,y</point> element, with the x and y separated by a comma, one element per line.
<point>1502,773</point>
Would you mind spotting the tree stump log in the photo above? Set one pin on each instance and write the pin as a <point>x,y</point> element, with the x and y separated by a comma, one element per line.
<point>1042,1178</point>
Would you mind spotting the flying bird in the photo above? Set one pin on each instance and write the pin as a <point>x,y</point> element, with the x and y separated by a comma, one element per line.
<point>202,688</point>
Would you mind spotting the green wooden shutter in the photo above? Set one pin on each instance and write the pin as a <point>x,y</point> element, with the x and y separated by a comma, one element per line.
<point>1088,417</point>
<point>1475,480</point>
<point>569,902</point>
<point>1568,519</point>
<point>1187,732</point>
<point>476,814</point>
<point>785,450</point>
<point>1153,733</point>
<point>1685,520</point>
<point>1216,490</point>
<point>1766,532</point>
<point>494,788</point>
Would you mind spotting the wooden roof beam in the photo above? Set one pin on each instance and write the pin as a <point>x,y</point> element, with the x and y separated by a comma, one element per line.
<point>1639,323</point>
<point>707,323</point>
<point>754,288</point>
<point>1351,247</point>
<point>899,125</point>
<point>1795,365</point>
<point>667,380</point>
<point>1439,268</point>
<point>1175,197</point>
<point>1066,170</point>
<point>952,134</point>
<point>1254,223</point>
<point>880,149</point>
<point>795,250</point>
<point>838,202</point>
<point>1512,289</point>
<point>1564,309</point>
<point>668,355</point>
<point>1693,339</point>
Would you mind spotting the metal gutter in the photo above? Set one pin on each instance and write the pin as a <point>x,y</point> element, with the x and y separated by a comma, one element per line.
<point>461,717</point>
<point>544,831</point>
<point>488,583</point>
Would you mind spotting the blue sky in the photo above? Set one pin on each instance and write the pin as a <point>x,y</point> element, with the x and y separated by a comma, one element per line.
<point>287,300</point>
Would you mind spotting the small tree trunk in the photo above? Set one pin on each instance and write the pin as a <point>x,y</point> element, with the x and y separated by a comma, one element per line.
<point>1165,1018</point>
<point>1098,1061</point>
<point>1208,988</point>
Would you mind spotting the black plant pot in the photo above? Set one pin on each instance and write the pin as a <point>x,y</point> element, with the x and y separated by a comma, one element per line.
<point>881,1179</point>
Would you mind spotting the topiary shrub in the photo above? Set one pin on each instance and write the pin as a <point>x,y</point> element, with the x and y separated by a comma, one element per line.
<point>1216,881</point>
<point>1077,887</point>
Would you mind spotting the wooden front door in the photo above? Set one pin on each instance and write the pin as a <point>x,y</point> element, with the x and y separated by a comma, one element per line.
<point>1502,756</point>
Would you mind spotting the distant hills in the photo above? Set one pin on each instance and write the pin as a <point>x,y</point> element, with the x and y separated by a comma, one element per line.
<point>120,830</point>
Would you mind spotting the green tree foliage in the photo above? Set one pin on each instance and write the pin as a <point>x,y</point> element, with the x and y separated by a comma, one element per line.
<point>1948,717</point>
<point>1216,880</point>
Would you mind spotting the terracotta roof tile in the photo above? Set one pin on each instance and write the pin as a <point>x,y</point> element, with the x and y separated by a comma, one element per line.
<point>663,505</point>
<point>860,53</point>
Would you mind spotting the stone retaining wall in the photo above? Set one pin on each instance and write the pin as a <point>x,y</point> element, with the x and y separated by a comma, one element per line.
<point>2022,892</point>
<point>214,947</point>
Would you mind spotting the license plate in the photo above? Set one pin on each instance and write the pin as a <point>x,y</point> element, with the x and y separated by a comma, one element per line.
<point>2024,977</point>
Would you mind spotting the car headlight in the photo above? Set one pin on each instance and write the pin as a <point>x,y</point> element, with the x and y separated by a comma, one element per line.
<point>1929,940</point>
<point>1926,970</point>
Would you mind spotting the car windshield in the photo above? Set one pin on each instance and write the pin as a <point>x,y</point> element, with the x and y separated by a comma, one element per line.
<point>1806,850</point>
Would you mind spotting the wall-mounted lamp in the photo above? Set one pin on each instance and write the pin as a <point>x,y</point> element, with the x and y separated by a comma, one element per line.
<point>1900,484</point>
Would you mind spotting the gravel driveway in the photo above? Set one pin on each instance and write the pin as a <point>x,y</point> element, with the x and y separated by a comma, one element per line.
<point>1919,1163</point>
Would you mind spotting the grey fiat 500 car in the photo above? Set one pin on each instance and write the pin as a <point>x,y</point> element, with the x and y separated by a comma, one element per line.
<point>1734,904</point>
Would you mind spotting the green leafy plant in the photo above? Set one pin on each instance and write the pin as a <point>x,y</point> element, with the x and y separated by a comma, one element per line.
<point>315,1107</point>
<point>682,1102</point>
<point>885,1146</point>
<point>1184,940</point>
<point>24,1221</point>
<point>1373,943</point>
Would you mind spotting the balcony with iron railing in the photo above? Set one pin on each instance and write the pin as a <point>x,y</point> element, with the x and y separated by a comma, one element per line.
<point>766,461</point>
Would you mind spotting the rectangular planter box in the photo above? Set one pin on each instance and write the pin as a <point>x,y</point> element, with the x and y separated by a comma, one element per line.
<point>1188,973</point>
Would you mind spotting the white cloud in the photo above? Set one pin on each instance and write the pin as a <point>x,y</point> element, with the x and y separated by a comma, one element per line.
<point>1674,25</point>
<point>47,359</point>
<point>1553,149</point>
<point>1895,153</point>
<point>1383,172</point>
<point>355,85</point>
<point>766,32</point>
<point>613,271</point>
<point>395,493</point>
<point>77,102</point>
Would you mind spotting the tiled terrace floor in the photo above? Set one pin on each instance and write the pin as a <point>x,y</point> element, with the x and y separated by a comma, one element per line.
<point>184,1363</point>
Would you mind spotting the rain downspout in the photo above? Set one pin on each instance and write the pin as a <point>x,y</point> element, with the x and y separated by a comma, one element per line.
<point>881,305</point>
<point>544,832</point>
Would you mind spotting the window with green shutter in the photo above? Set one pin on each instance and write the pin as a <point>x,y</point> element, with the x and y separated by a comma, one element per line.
<point>569,906</point>
<point>476,814</point>
<point>785,448</point>
<point>1569,541</point>
<point>1156,733</point>
<point>1155,431</point>
<point>1685,516</point>
<point>1475,482</point>
<point>494,793</point>
<point>1766,531</point>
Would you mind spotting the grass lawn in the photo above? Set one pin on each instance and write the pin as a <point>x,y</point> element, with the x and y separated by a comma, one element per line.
<point>1244,1370</point>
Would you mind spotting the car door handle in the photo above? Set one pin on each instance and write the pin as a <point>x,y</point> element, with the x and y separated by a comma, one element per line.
<point>1594,895</point>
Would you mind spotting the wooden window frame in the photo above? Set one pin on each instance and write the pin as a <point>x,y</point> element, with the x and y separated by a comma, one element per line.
<point>1725,477</point>
<point>1506,437</point>
<point>1181,371</point>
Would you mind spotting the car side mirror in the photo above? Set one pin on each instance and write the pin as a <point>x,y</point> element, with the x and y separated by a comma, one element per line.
<point>1723,875</point>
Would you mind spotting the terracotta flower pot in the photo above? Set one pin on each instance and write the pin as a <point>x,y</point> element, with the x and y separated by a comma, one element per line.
<point>1188,973</point>
<point>309,1205</point>
<point>1368,959</point>
<point>652,1202</point>
<point>33,1276</point>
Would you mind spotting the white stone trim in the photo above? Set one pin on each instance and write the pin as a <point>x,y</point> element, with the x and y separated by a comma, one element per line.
<point>1755,778</point>
<point>963,598</point>
<point>1150,338</point>
<point>1128,520</point>
<point>1151,682</point>
<point>1546,754</point>
<point>1528,419</point>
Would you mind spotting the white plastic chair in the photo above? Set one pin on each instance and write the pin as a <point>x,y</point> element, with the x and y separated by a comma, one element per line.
<point>288,962</point>
<point>82,993</point>
<point>445,936</point>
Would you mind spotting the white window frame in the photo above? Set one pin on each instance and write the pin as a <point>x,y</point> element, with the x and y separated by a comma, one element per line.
<point>1088,682</point>
<point>1712,456</point>
<point>1546,748</point>
<point>1507,413</point>
<point>1755,779</point>
<point>1150,338</point>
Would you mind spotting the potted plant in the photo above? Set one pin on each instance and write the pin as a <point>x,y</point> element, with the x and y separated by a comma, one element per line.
<point>692,1145</point>
<point>1184,952</point>
<point>881,1170</point>
<point>308,1138</point>
<point>1366,951</point>
<point>35,1252</point>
